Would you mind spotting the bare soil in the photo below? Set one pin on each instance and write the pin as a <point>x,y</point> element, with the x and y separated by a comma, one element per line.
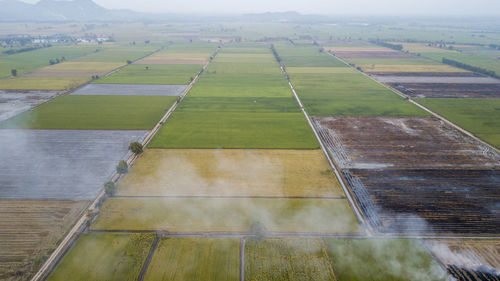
<point>448,90</point>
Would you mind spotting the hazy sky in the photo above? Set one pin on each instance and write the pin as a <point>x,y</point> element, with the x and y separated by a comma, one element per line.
<point>454,7</point>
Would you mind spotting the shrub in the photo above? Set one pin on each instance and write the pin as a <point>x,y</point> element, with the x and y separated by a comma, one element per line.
<point>135,147</point>
<point>122,167</point>
<point>110,188</point>
<point>13,72</point>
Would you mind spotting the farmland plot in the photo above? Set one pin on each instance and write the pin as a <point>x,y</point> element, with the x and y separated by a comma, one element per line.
<point>129,90</point>
<point>61,164</point>
<point>195,215</point>
<point>429,201</point>
<point>152,74</point>
<point>200,172</point>
<point>467,253</point>
<point>448,90</point>
<point>73,112</point>
<point>382,260</point>
<point>105,256</point>
<point>287,259</point>
<point>209,259</point>
<point>30,230</point>
<point>401,142</point>
<point>235,130</point>
<point>14,103</point>
<point>479,116</point>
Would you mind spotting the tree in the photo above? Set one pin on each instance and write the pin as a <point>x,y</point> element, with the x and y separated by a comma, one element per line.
<point>258,229</point>
<point>135,147</point>
<point>147,67</point>
<point>110,188</point>
<point>13,72</point>
<point>129,62</point>
<point>122,167</point>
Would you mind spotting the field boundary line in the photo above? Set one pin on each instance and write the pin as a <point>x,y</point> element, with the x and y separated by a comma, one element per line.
<point>409,99</point>
<point>227,197</point>
<point>235,234</point>
<point>354,207</point>
<point>67,243</point>
<point>145,266</point>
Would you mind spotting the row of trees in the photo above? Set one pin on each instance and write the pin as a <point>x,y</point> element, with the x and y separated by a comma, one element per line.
<point>397,47</point>
<point>470,67</point>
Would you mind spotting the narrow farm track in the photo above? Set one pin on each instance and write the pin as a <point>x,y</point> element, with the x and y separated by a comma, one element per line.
<point>148,259</point>
<point>70,238</point>
<point>409,99</point>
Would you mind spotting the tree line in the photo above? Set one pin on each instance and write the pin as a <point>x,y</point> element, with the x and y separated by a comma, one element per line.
<point>397,47</point>
<point>470,67</point>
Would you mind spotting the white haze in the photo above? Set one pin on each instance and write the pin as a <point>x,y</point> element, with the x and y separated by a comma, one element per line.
<point>330,7</point>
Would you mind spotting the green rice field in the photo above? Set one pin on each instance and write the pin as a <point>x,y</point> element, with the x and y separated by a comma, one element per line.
<point>94,113</point>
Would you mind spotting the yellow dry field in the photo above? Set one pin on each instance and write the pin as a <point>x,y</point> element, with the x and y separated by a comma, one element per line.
<point>231,172</point>
<point>320,70</point>
<point>83,66</point>
<point>42,83</point>
<point>359,49</point>
<point>168,57</point>
<point>29,230</point>
<point>421,48</point>
<point>195,215</point>
<point>477,251</point>
<point>409,68</point>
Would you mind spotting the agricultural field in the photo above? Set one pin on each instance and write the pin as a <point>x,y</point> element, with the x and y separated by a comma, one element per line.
<point>448,90</point>
<point>28,61</point>
<point>176,74</point>
<point>198,215</point>
<point>129,90</point>
<point>422,201</point>
<point>210,259</point>
<point>387,159</point>
<point>382,260</point>
<point>184,54</point>
<point>27,83</point>
<point>14,103</point>
<point>74,112</point>
<point>30,230</point>
<point>105,256</point>
<point>208,172</point>
<point>479,116</point>
<point>401,142</point>
<point>328,93</point>
<point>287,259</point>
<point>65,164</point>
<point>468,253</point>
<point>235,130</point>
<point>485,60</point>
<point>237,107</point>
